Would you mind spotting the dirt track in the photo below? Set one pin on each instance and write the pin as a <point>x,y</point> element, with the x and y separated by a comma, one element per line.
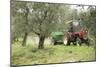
<point>35,40</point>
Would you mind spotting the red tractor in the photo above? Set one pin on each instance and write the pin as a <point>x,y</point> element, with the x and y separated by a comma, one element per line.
<point>77,37</point>
<point>76,34</point>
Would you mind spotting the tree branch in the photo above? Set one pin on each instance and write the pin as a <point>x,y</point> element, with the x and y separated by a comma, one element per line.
<point>36,33</point>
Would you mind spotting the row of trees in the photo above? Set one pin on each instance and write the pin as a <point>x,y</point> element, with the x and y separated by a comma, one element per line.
<point>39,18</point>
<point>88,19</point>
<point>43,18</point>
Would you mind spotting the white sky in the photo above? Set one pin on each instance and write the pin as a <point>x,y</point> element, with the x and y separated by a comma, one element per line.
<point>85,2</point>
<point>78,8</point>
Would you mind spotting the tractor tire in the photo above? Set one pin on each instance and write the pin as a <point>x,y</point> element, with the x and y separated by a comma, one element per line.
<point>68,43</point>
<point>55,42</point>
<point>79,41</point>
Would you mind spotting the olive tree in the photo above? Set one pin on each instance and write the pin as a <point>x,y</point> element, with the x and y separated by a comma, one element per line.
<point>19,20</point>
<point>38,18</point>
<point>45,19</point>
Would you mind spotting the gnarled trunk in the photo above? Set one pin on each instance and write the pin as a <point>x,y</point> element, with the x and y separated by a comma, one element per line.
<point>24,39</point>
<point>41,42</point>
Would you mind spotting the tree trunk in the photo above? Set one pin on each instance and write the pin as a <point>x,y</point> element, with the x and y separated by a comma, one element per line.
<point>24,39</point>
<point>41,42</point>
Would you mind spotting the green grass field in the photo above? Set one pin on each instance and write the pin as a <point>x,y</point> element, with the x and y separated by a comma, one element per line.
<point>51,54</point>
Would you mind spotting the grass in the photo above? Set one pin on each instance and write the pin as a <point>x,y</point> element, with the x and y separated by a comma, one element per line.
<point>51,54</point>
